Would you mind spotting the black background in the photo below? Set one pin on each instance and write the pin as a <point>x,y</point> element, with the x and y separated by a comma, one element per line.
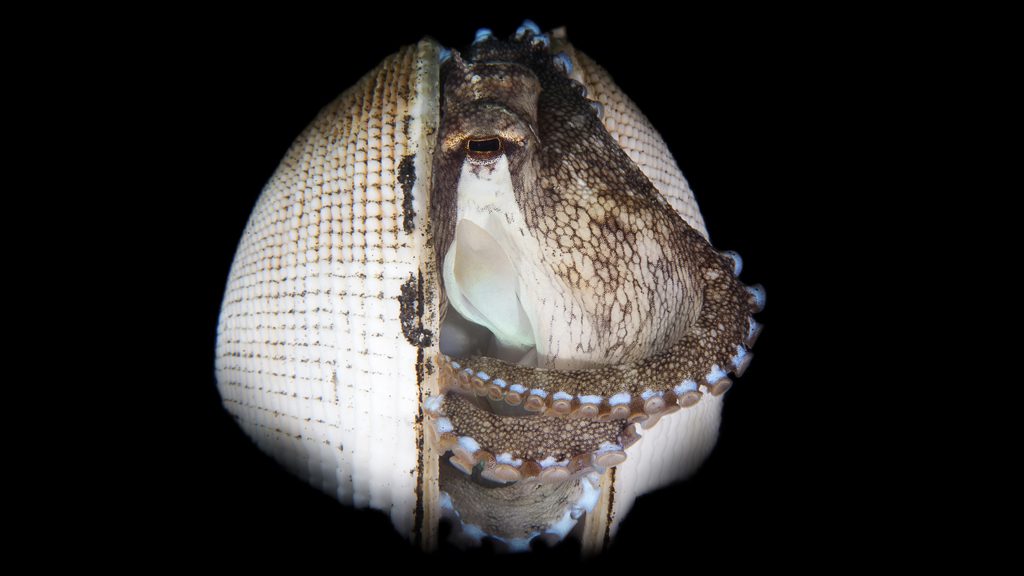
<point>755,108</point>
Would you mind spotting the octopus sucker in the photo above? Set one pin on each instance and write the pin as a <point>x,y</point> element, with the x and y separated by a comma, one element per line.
<point>630,436</point>
<point>476,283</point>
<point>741,362</point>
<point>719,387</point>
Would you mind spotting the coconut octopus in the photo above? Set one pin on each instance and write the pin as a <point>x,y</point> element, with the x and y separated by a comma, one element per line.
<point>471,290</point>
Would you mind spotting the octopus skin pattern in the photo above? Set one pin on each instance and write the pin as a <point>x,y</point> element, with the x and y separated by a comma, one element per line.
<point>473,287</point>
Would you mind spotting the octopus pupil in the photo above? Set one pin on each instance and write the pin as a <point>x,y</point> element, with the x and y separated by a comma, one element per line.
<point>487,146</point>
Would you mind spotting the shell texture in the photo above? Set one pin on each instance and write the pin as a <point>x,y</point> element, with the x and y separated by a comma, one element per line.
<point>319,347</point>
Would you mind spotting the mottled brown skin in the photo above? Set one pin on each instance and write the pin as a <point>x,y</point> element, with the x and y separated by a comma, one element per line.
<point>711,340</point>
<point>528,507</point>
<point>592,209</point>
<point>666,305</point>
<point>532,437</point>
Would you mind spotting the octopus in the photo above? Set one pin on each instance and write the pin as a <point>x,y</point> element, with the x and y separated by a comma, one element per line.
<point>547,300</point>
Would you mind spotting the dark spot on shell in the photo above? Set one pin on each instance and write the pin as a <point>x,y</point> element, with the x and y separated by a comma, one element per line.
<point>407,178</point>
<point>411,312</point>
<point>611,506</point>
<point>418,512</point>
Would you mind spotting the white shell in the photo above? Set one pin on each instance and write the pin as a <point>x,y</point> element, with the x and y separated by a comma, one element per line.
<point>313,357</point>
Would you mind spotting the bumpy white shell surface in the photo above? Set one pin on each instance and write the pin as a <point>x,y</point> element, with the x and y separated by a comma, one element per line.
<point>312,360</point>
<point>312,357</point>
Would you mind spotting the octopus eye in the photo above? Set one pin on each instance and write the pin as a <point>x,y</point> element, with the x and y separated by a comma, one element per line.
<point>484,148</point>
